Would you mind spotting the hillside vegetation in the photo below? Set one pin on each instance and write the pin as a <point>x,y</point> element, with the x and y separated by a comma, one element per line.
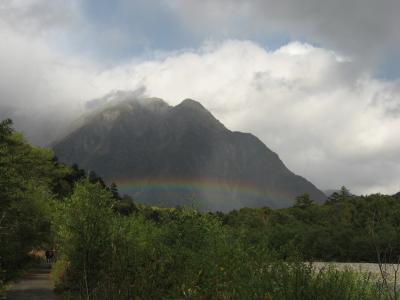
<point>109,247</point>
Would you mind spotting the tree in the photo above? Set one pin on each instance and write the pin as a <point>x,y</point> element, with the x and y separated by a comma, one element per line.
<point>94,178</point>
<point>114,191</point>
<point>303,201</point>
<point>5,129</point>
<point>342,195</point>
<point>27,177</point>
<point>84,233</point>
<point>384,238</point>
<point>126,206</point>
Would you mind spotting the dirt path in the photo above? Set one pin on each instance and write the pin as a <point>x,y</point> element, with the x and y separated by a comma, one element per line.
<point>35,286</point>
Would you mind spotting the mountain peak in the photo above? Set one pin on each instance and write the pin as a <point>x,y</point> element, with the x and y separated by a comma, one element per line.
<point>146,103</point>
<point>168,154</point>
<point>192,104</point>
<point>195,113</point>
<point>121,99</point>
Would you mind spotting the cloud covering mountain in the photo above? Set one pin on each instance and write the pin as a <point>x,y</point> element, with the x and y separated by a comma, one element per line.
<point>316,101</point>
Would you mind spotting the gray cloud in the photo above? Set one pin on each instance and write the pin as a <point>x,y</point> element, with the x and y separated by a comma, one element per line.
<point>114,96</point>
<point>366,29</point>
<point>38,17</point>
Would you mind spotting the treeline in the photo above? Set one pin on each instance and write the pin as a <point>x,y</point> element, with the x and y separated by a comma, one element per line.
<point>346,228</point>
<point>111,248</point>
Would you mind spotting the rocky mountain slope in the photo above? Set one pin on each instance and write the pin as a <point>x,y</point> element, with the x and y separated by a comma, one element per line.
<point>180,155</point>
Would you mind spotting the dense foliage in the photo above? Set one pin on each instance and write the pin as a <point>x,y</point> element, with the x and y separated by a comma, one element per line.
<point>345,228</point>
<point>32,186</point>
<point>180,254</point>
<point>110,248</point>
<point>27,178</point>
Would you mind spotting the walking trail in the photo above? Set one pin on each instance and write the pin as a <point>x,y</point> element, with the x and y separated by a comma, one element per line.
<point>35,286</point>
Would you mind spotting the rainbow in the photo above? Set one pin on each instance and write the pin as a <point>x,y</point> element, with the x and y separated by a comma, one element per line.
<point>225,195</point>
<point>132,185</point>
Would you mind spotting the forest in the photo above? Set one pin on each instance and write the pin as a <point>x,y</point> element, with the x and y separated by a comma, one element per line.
<point>110,247</point>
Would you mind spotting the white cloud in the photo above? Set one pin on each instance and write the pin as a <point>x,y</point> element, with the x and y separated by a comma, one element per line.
<point>327,120</point>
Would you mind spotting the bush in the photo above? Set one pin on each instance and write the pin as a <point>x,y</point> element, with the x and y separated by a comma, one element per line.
<point>59,272</point>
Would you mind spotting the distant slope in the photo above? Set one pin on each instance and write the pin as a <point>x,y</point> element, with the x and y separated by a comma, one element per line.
<point>329,193</point>
<point>181,155</point>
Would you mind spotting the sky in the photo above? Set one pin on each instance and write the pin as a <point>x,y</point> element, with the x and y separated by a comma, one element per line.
<point>318,81</point>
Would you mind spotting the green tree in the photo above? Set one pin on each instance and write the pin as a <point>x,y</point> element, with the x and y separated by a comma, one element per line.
<point>341,196</point>
<point>94,178</point>
<point>27,177</point>
<point>126,205</point>
<point>114,191</point>
<point>84,235</point>
<point>303,201</point>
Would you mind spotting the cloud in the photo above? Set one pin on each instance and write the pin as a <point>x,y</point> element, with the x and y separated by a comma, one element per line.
<point>38,16</point>
<point>42,88</point>
<point>366,29</point>
<point>326,117</point>
<point>327,120</point>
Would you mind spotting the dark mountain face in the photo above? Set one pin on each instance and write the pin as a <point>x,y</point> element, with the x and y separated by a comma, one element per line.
<point>181,155</point>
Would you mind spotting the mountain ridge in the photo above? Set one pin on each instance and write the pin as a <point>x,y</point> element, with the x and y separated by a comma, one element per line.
<point>147,140</point>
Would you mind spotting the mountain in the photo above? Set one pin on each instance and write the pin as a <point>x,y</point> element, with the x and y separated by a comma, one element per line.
<point>175,155</point>
<point>329,192</point>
